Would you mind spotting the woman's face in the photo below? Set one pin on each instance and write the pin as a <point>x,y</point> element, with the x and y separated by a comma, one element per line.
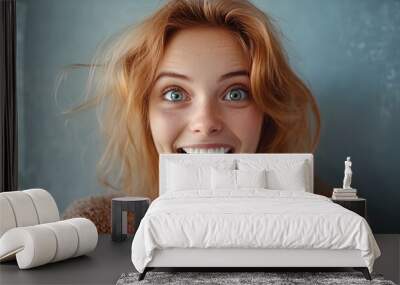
<point>201,102</point>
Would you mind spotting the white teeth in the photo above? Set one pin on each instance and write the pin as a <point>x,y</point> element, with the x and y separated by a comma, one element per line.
<point>206,150</point>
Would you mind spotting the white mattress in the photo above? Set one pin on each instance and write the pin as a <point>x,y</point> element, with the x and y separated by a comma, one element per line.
<point>252,218</point>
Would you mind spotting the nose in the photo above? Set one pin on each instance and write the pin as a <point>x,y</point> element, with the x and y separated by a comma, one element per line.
<point>206,120</point>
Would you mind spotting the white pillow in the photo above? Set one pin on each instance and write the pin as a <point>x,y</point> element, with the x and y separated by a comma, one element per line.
<point>289,179</point>
<point>193,174</point>
<point>236,179</point>
<point>182,178</point>
<point>251,178</point>
<point>290,175</point>
<point>223,179</point>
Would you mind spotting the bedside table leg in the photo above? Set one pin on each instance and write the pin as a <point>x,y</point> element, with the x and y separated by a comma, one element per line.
<point>364,271</point>
<point>143,274</point>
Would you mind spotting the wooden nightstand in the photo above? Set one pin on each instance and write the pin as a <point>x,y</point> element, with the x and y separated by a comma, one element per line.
<point>358,205</point>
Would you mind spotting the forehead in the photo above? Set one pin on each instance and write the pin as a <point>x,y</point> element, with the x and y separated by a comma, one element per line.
<point>217,47</point>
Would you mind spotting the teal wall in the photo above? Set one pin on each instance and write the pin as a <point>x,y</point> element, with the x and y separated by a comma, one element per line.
<point>348,52</point>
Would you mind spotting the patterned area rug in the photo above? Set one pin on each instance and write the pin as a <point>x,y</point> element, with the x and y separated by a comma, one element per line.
<point>230,278</point>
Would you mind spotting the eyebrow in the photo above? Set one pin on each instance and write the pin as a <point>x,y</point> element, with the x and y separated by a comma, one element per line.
<point>182,76</point>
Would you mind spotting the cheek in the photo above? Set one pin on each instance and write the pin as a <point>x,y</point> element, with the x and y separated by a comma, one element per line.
<point>165,127</point>
<point>246,125</point>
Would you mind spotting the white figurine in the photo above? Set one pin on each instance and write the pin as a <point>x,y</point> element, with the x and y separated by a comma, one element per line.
<point>347,174</point>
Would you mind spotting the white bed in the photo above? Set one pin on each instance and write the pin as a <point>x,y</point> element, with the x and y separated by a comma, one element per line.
<point>282,224</point>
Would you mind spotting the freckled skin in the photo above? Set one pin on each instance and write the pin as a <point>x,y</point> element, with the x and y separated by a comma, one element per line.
<point>203,113</point>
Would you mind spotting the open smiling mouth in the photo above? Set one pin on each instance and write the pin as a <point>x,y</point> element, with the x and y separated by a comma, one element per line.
<point>205,150</point>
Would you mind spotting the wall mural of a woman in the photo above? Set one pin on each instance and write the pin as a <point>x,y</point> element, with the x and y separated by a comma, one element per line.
<point>197,76</point>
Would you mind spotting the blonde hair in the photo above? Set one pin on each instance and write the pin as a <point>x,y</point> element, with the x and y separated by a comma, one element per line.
<point>123,71</point>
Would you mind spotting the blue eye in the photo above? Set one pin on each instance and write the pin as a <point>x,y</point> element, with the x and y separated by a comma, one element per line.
<point>174,95</point>
<point>236,94</point>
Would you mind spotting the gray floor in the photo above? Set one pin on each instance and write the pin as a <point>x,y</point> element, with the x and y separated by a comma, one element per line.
<point>110,260</point>
<point>102,266</point>
<point>389,262</point>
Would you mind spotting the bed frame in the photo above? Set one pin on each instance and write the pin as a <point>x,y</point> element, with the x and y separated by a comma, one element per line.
<point>250,258</point>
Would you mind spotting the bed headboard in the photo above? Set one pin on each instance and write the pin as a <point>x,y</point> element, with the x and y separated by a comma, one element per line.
<point>209,158</point>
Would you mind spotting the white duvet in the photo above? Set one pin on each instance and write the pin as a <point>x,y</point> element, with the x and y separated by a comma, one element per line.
<point>251,218</point>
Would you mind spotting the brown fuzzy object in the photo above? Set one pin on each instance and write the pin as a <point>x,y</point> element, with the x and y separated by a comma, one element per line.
<point>95,208</point>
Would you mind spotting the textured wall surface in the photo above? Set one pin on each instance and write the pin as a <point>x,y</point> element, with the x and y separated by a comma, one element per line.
<point>346,51</point>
